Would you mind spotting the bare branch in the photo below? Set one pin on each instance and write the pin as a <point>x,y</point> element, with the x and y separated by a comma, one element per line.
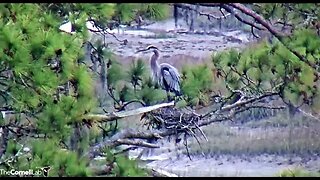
<point>251,100</point>
<point>162,173</point>
<point>252,31</point>
<point>259,106</point>
<point>129,134</point>
<point>183,6</point>
<point>236,15</point>
<point>118,115</point>
<point>103,31</point>
<point>308,114</point>
<point>258,18</point>
<point>132,101</point>
<point>283,23</point>
<point>208,4</point>
<point>125,150</point>
<point>135,142</point>
<point>266,107</point>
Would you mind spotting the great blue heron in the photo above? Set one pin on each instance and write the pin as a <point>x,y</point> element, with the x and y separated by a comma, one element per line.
<point>163,74</point>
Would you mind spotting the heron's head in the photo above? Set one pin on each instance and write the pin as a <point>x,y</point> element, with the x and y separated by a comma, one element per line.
<point>150,48</point>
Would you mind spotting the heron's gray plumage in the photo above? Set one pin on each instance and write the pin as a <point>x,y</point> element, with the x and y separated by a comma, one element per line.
<point>170,76</point>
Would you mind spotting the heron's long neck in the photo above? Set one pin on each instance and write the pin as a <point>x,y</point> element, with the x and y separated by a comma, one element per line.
<point>154,62</point>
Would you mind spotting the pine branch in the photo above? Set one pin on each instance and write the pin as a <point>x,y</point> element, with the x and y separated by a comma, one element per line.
<point>279,35</point>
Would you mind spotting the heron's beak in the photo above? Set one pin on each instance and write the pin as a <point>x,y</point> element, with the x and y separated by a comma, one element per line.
<point>143,50</point>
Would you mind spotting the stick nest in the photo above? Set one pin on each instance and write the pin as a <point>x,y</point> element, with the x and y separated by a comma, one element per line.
<point>181,122</point>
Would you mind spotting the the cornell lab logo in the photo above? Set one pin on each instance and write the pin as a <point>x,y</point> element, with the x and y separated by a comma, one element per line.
<point>45,171</point>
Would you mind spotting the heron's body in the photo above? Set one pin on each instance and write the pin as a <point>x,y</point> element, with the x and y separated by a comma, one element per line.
<point>164,74</point>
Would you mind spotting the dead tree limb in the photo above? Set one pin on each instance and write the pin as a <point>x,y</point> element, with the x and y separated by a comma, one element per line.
<point>184,6</point>
<point>122,114</point>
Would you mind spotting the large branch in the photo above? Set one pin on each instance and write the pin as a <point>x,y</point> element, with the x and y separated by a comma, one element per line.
<point>122,114</point>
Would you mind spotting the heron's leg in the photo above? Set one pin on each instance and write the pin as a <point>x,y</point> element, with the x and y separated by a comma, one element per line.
<point>168,96</point>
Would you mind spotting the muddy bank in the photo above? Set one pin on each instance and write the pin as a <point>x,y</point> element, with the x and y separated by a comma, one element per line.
<point>181,45</point>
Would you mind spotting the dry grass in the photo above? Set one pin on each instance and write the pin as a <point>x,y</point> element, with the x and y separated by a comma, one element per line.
<point>161,35</point>
<point>272,136</point>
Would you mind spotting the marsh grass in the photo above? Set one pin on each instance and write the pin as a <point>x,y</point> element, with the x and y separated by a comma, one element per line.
<point>161,35</point>
<point>273,136</point>
<point>280,120</point>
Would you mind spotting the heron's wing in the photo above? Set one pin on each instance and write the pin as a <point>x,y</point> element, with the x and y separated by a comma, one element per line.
<point>170,76</point>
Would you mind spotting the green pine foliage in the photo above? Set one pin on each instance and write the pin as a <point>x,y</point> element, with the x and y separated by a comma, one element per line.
<point>136,73</point>
<point>126,12</point>
<point>135,84</point>
<point>37,60</point>
<point>128,168</point>
<point>157,11</point>
<point>115,74</point>
<point>197,84</point>
<point>31,80</point>
<point>299,14</point>
<point>268,64</point>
